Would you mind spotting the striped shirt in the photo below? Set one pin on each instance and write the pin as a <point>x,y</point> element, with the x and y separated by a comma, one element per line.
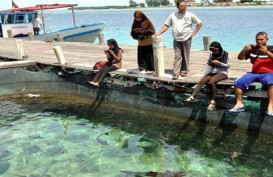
<point>261,63</point>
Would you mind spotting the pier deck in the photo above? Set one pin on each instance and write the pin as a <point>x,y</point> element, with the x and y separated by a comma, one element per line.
<point>84,55</point>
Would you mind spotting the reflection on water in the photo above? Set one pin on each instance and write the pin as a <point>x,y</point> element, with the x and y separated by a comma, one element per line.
<point>69,135</point>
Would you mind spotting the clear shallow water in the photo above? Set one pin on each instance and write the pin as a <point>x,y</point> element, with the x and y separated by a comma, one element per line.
<point>232,26</point>
<point>46,134</point>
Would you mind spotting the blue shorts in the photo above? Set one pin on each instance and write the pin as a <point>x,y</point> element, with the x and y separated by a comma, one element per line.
<point>244,81</point>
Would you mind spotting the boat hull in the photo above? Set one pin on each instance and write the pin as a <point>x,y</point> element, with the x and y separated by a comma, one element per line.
<point>84,33</point>
<point>18,22</point>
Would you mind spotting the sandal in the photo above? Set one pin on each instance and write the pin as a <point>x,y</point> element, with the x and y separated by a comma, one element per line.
<point>96,84</point>
<point>211,107</point>
<point>183,73</point>
<point>189,100</point>
<point>90,82</point>
<point>175,77</point>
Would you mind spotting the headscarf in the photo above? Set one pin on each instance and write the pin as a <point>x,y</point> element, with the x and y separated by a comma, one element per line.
<point>147,28</point>
<point>221,55</point>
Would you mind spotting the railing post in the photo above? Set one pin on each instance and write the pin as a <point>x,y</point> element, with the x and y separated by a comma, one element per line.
<point>206,41</point>
<point>59,55</point>
<point>20,49</point>
<point>30,36</point>
<point>158,56</point>
<point>60,38</point>
<point>10,34</point>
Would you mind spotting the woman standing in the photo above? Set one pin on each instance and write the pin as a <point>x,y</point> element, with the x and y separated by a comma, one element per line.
<point>219,63</point>
<point>142,30</point>
<point>114,57</point>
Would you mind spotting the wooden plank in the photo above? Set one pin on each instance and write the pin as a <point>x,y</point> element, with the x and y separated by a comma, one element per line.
<point>84,56</point>
<point>16,64</point>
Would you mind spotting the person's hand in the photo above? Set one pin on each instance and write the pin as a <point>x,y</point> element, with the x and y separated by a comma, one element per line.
<point>137,30</point>
<point>216,62</point>
<point>248,47</point>
<point>263,49</point>
<point>111,52</point>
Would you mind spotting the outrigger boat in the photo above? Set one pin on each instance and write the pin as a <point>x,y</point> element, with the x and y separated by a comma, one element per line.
<point>19,22</point>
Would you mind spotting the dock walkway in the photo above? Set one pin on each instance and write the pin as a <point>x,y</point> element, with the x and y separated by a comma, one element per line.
<point>85,55</point>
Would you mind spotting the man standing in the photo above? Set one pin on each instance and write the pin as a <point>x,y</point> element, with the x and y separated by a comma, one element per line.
<point>261,57</point>
<point>37,24</point>
<point>181,23</point>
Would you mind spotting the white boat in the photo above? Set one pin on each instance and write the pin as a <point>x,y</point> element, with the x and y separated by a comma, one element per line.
<point>83,33</point>
<point>17,22</point>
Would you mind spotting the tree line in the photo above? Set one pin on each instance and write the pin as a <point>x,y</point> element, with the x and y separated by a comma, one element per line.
<point>150,3</point>
<point>159,3</point>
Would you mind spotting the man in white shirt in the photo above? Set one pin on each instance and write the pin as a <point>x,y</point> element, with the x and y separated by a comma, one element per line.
<point>37,24</point>
<point>181,23</point>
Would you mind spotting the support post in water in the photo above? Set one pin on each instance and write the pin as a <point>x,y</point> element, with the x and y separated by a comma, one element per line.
<point>20,49</point>
<point>59,55</point>
<point>101,38</point>
<point>206,41</point>
<point>158,56</point>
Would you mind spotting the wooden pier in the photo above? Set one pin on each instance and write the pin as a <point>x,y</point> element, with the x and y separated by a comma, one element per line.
<point>84,55</point>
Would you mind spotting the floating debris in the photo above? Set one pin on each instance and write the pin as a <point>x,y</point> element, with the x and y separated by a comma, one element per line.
<point>33,95</point>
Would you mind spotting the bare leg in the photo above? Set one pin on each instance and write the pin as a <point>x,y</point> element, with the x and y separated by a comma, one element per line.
<point>197,89</point>
<point>216,78</point>
<point>270,98</point>
<point>238,96</point>
<point>202,81</point>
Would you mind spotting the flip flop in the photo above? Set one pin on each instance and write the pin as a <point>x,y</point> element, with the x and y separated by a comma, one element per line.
<point>211,107</point>
<point>183,73</point>
<point>175,77</point>
<point>189,100</point>
<point>269,113</point>
<point>237,110</point>
<point>96,84</point>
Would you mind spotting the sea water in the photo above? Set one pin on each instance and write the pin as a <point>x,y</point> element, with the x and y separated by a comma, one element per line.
<point>48,134</point>
<point>51,134</point>
<point>51,127</point>
<point>233,27</point>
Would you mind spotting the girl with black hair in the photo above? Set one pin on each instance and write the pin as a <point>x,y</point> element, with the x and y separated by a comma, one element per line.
<point>219,63</point>
<point>114,57</point>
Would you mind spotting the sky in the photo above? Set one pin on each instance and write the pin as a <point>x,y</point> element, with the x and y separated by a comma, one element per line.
<point>6,4</point>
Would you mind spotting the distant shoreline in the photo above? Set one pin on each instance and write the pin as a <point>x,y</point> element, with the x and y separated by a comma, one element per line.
<point>169,7</point>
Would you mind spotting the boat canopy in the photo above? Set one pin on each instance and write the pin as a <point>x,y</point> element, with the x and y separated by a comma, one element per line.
<point>41,7</point>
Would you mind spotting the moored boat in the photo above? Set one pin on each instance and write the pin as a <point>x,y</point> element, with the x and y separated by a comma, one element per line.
<point>18,22</point>
<point>84,33</point>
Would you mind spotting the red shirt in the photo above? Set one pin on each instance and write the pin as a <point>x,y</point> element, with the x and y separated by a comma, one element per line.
<point>261,62</point>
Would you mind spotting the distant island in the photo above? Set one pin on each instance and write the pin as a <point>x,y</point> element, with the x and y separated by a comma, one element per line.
<point>191,3</point>
<point>102,7</point>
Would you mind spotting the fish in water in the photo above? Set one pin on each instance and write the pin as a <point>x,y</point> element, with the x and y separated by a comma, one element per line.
<point>101,141</point>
